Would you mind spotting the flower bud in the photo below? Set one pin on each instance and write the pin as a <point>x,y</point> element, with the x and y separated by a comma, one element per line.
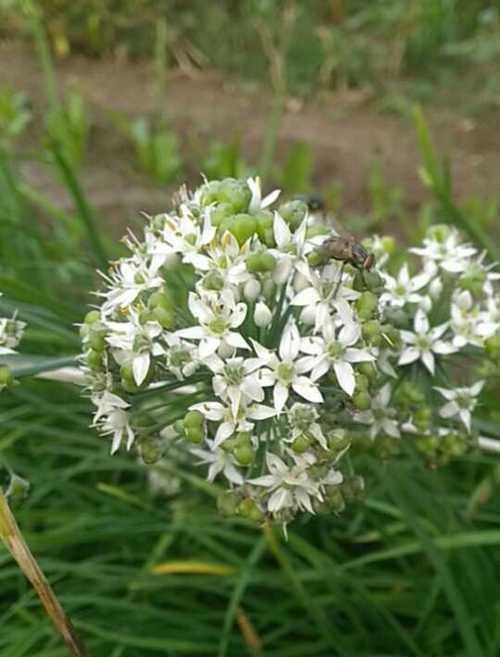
<point>6,377</point>
<point>252,289</point>
<point>301,444</point>
<point>244,454</point>
<point>293,213</point>
<point>262,315</point>
<point>436,288</point>
<point>249,509</point>
<point>366,305</point>
<point>92,316</point>
<point>227,503</point>
<point>243,227</point>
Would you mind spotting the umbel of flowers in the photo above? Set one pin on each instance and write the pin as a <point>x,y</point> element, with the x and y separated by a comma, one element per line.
<point>230,333</point>
<point>11,332</point>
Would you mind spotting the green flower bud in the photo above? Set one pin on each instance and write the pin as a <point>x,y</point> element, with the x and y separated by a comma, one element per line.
<point>293,212</point>
<point>194,419</point>
<point>371,329</point>
<point>244,454</point>
<point>129,385</point>
<point>367,369</point>
<point>150,449</point>
<point>316,258</point>
<point>301,444</point>
<point>243,227</point>
<point>213,281</point>
<point>335,499</point>
<point>94,359</point>
<point>227,503</point>
<point>210,193</point>
<point>397,318</point>
<point>249,509</point>
<point>366,305</point>
<point>92,316</point>
<point>317,229</point>
<point>373,281</point>
<point>164,317</point>
<point>236,193</point>
<point>422,418</point>
<point>221,212</point>
<point>362,400</point>
<point>338,440</point>
<point>6,377</point>
<point>97,340</point>
<point>194,434</point>
<point>265,221</point>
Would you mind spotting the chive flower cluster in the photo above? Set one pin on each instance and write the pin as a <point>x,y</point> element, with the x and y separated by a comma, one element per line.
<point>230,336</point>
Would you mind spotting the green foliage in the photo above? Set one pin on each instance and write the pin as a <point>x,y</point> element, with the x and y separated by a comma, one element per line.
<point>68,126</point>
<point>156,149</point>
<point>225,160</point>
<point>15,115</point>
<point>296,173</point>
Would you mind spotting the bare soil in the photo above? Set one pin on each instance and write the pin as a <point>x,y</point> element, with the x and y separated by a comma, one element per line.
<point>345,131</point>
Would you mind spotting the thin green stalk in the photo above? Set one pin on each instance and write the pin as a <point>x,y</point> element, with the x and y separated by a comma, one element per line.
<point>85,212</point>
<point>44,56</point>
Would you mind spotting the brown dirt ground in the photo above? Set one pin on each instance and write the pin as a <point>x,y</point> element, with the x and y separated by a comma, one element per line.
<point>344,130</point>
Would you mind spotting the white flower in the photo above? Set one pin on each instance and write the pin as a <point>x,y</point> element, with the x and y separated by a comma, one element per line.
<point>112,418</point>
<point>469,324</point>
<point>127,281</point>
<point>424,342</point>
<point>286,370</point>
<point>461,402</point>
<point>289,487</point>
<point>403,289</point>
<point>231,422</point>
<point>336,350</point>
<point>11,332</point>
<point>324,293</point>
<point>381,417</point>
<point>180,356</point>
<point>449,254</point>
<point>220,461</point>
<point>236,380</point>
<point>135,343</point>
<point>187,237</point>
<point>217,316</point>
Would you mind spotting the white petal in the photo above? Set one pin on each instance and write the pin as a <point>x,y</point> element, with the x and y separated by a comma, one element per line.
<point>260,412</point>
<point>236,340</point>
<point>306,297</point>
<point>208,346</point>
<point>345,376</point>
<point>428,360</point>
<point>307,389</point>
<point>409,355</point>
<point>282,233</point>
<point>140,367</point>
<point>280,395</point>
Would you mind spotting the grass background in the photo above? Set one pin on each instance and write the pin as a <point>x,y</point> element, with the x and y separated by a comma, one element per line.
<point>410,570</point>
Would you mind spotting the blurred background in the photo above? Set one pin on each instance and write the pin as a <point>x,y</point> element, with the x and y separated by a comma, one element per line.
<point>389,109</point>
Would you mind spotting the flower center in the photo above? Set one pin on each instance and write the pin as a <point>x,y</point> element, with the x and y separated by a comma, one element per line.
<point>423,343</point>
<point>233,374</point>
<point>218,326</point>
<point>335,349</point>
<point>285,373</point>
